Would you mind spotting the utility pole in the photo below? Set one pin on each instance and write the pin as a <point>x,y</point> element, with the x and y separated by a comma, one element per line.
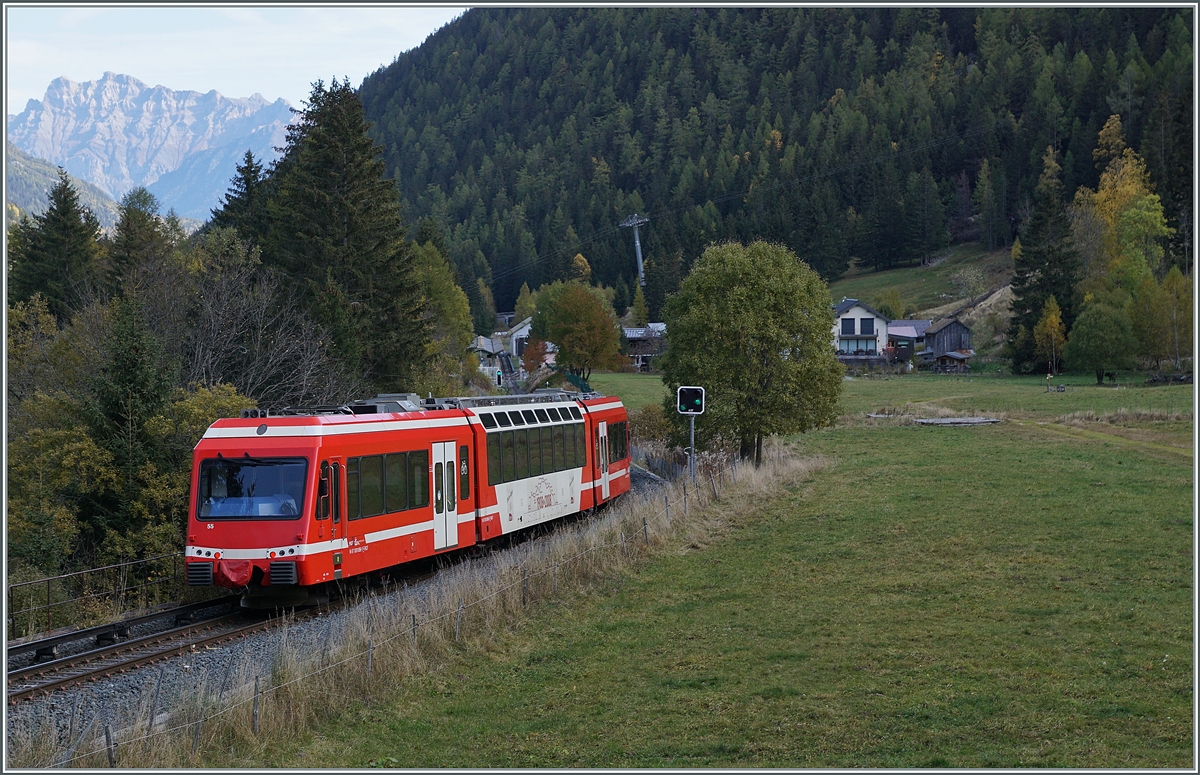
<point>635,221</point>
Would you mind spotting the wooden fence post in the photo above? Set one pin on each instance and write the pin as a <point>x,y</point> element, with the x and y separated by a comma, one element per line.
<point>254,715</point>
<point>112,749</point>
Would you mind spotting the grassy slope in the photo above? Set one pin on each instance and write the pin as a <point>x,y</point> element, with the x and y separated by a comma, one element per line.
<point>993,596</point>
<point>926,287</point>
<point>634,390</point>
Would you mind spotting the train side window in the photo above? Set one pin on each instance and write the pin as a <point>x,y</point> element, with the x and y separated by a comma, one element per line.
<point>337,493</point>
<point>575,413</point>
<point>352,503</point>
<point>437,487</point>
<point>517,419</point>
<point>502,418</point>
<point>522,450</point>
<point>547,450</point>
<point>541,415</point>
<point>569,446</point>
<point>323,492</point>
<point>370,484</point>
<point>553,414</point>
<point>464,473</point>
<point>487,420</point>
<point>493,445</point>
<point>530,419</point>
<point>535,451</point>
<point>560,453</point>
<point>395,488</point>
<point>581,445</point>
<point>510,460</point>
<point>418,479</point>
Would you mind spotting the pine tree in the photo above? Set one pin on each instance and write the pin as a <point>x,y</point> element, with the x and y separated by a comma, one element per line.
<point>56,254</point>
<point>1047,265</point>
<point>336,230</point>
<point>924,218</point>
<point>245,204</point>
<point>142,236</point>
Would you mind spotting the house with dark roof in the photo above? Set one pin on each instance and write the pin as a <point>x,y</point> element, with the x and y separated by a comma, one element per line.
<point>645,342</point>
<point>904,336</point>
<point>859,332</point>
<point>948,345</point>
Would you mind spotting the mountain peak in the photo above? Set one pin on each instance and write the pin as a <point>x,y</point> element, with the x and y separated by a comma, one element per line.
<point>119,133</point>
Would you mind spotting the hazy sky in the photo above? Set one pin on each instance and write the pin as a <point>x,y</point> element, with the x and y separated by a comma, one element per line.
<point>237,50</point>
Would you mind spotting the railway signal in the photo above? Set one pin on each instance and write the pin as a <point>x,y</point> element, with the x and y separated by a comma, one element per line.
<point>689,400</point>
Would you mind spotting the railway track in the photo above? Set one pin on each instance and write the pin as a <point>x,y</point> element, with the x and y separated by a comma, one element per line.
<point>105,661</point>
<point>113,658</point>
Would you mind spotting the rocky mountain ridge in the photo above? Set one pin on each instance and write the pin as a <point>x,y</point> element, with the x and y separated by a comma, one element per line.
<point>118,133</point>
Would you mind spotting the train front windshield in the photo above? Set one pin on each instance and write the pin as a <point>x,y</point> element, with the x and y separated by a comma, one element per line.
<point>251,488</point>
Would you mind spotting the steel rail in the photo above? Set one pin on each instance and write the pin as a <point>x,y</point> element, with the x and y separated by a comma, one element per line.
<point>113,627</point>
<point>108,668</point>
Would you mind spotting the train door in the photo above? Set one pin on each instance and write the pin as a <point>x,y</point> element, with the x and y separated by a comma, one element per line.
<point>445,488</point>
<point>602,458</point>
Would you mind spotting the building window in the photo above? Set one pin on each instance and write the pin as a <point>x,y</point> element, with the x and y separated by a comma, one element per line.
<point>867,327</point>
<point>847,326</point>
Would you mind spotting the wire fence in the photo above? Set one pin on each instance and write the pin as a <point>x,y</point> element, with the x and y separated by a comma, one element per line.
<point>94,595</point>
<point>679,498</point>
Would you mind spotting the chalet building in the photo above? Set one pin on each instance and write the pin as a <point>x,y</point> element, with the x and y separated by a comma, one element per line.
<point>948,345</point>
<point>904,336</point>
<point>645,343</point>
<point>859,332</point>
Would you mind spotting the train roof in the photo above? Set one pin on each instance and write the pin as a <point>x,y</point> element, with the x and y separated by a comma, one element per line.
<point>388,411</point>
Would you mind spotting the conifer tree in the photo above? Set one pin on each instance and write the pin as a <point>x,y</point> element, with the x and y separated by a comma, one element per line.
<point>336,230</point>
<point>56,254</point>
<point>1047,265</point>
<point>245,204</point>
<point>142,236</point>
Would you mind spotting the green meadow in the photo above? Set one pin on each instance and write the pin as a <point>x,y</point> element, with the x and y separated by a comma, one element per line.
<point>1009,595</point>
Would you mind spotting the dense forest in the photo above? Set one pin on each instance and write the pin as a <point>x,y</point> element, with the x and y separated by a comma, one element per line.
<point>529,134</point>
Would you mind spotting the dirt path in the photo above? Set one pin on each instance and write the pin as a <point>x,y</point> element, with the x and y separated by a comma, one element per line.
<point>1083,433</point>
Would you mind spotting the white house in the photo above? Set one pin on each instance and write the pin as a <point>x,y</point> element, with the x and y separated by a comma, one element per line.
<point>858,329</point>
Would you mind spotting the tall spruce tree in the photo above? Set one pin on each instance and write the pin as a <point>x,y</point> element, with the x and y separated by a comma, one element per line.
<point>56,254</point>
<point>1047,265</point>
<point>337,232</point>
<point>244,207</point>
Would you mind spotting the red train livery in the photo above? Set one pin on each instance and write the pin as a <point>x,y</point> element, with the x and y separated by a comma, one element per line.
<point>284,502</point>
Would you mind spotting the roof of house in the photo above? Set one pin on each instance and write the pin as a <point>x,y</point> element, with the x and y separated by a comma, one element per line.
<point>487,345</point>
<point>943,323</point>
<point>845,304</point>
<point>909,328</point>
<point>649,331</point>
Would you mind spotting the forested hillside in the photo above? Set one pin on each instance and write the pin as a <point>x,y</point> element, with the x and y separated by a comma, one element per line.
<point>29,179</point>
<point>529,134</point>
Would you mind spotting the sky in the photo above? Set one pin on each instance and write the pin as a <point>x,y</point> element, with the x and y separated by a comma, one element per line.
<point>239,50</point>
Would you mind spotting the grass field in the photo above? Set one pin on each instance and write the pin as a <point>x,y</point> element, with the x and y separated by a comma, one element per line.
<point>634,390</point>
<point>925,287</point>
<point>1013,595</point>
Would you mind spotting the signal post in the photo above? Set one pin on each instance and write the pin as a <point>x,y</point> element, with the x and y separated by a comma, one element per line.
<point>689,400</point>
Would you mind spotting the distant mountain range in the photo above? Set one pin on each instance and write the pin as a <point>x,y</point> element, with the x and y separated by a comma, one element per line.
<point>118,133</point>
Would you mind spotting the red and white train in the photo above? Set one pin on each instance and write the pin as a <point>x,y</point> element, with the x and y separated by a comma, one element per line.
<point>284,503</point>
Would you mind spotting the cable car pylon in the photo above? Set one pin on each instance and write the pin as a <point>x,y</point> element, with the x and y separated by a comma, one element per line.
<point>635,221</point>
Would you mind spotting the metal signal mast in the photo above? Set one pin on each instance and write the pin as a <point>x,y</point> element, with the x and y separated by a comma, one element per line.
<point>635,221</point>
